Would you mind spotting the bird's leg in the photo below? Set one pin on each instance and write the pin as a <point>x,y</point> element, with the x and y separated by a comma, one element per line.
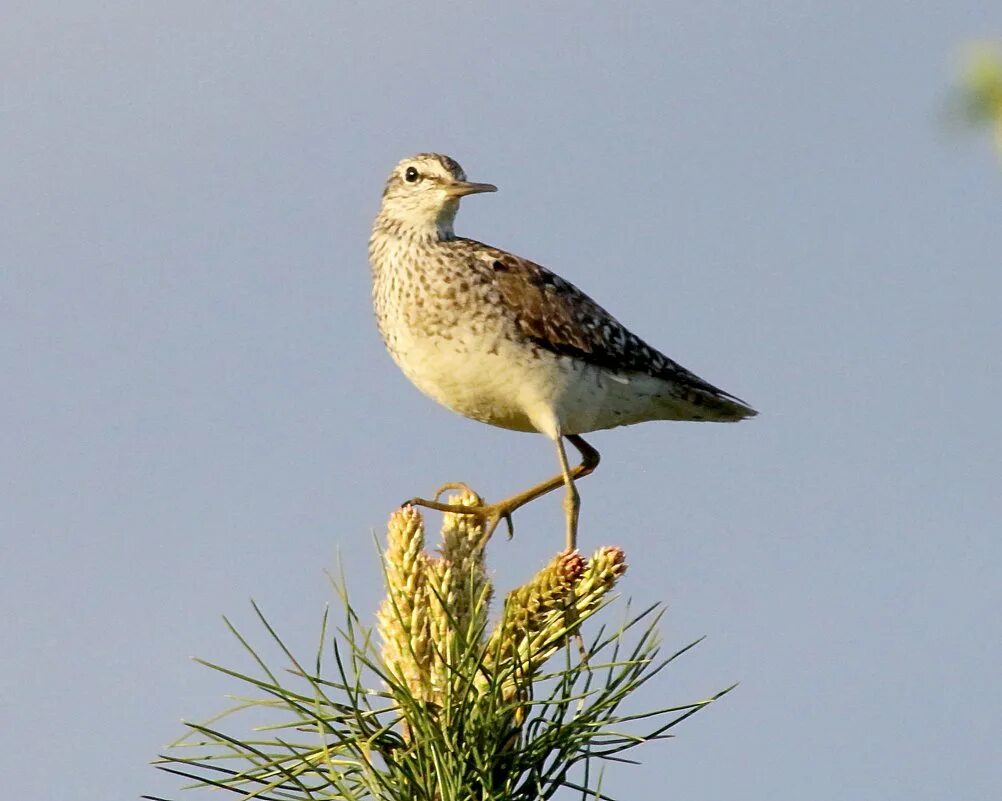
<point>572,499</point>
<point>493,514</point>
<point>572,508</point>
<point>589,461</point>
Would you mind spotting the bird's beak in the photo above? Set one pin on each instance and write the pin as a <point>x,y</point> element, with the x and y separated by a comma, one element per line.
<point>462,188</point>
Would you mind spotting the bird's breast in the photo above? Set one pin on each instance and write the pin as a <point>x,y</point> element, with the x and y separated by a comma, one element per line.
<point>448,329</point>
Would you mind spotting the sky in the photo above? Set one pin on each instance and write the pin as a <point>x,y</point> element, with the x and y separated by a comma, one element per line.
<point>198,410</point>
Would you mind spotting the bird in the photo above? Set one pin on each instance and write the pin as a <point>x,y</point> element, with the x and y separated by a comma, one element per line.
<point>505,341</point>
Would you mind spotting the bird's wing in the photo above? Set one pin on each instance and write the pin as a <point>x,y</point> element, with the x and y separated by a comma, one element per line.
<point>557,316</point>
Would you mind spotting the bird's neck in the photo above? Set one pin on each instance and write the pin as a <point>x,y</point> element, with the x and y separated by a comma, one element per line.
<point>418,223</point>
<point>395,243</point>
<point>416,231</point>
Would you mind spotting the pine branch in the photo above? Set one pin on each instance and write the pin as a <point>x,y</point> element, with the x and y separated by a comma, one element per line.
<point>446,707</point>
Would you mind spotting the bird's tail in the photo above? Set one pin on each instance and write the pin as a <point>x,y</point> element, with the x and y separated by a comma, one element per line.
<point>713,405</point>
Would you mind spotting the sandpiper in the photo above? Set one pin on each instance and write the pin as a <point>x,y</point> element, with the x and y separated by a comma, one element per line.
<point>505,341</point>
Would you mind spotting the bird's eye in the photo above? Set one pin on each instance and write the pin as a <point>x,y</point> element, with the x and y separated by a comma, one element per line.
<point>411,175</point>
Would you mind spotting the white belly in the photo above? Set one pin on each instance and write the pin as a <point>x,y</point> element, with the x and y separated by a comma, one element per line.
<point>509,386</point>
<point>489,384</point>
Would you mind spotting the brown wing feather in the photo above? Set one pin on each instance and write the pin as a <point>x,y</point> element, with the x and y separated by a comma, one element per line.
<point>556,315</point>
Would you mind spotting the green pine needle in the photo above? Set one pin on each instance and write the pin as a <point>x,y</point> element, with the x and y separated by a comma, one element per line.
<point>468,748</point>
<point>436,707</point>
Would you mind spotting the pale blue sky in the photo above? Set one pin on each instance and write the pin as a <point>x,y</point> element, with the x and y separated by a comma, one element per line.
<point>197,408</point>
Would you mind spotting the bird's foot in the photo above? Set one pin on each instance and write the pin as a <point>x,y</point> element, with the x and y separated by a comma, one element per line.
<point>453,508</point>
<point>490,515</point>
<point>458,486</point>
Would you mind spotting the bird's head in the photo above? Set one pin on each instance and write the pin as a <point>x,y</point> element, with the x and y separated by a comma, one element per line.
<point>422,193</point>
